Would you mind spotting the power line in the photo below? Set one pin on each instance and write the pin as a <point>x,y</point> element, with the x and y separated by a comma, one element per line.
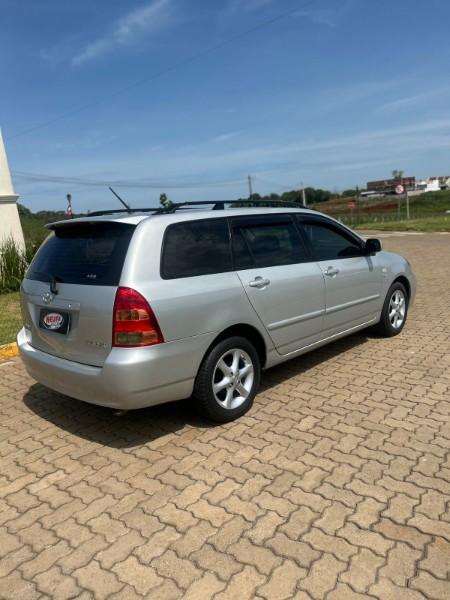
<point>278,185</point>
<point>163,71</point>
<point>138,184</point>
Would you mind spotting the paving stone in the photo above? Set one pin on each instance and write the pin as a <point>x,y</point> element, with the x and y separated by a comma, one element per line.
<point>401,564</point>
<point>345,592</point>
<point>100,582</point>
<point>365,539</point>
<point>264,528</point>
<point>157,544</point>
<point>282,582</point>
<point>182,571</point>
<point>209,559</point>
<point>215,515</point>
<point>54,584</point>
<point>229,533</point>
<point>142,578</point>
<point>299,522</point>
<point>384,589</point>
<point>242,585</point>
<point>45,559</point>
<point>322,576</point>
<point>263,559</point>
<point>82,555</point>
<point>299,551</point>
<point>119,550</point>
<point>333,518</point>
<point>204,588</point>
<point>431,587</point>
<point>403,533</point>
<point>437,559</point>
<point>362,571</point>
<point>334,486</point>
<point>194,539</point>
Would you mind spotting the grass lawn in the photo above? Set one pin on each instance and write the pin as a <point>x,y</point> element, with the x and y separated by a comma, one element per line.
<point>430,224</point>
<point>10,317</point>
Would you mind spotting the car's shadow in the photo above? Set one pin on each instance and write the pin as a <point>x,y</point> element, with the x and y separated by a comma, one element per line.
<point>138,427</point>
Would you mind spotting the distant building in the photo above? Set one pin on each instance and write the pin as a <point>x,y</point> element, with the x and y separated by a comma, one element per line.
<point>442,181</point>
<point>387,186</point>
<point>10,226</point>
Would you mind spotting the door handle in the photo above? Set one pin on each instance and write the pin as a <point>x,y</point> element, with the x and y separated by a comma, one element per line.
<point>259,283</point>
<point>331,272</point>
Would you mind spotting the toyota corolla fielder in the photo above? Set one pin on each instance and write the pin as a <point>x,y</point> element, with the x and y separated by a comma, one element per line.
<point>137,308</point>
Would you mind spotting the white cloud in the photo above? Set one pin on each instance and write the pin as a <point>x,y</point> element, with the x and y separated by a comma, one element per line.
<point>415,101</point>
<point>330,17</point>
<point>226,136</point>
<point>128,30</point>
<point>248,5</point>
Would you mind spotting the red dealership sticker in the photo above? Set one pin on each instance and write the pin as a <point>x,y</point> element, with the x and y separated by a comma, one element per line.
<point>58,322</point>
<point>53,321</point>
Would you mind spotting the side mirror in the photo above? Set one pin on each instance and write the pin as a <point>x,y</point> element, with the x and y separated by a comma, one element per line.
<point>373,246</point>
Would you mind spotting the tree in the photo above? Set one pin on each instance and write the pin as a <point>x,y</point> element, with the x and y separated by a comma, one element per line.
<point>165,202</point>
<point>348,194</point>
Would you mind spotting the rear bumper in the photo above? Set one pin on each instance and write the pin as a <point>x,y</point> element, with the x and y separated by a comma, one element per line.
<point>130,378</point>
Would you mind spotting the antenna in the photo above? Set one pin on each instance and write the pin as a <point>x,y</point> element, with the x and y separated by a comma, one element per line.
<point>127,206</point>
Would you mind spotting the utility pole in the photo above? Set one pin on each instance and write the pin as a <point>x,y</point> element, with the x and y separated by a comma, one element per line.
<point>303,195</point>
<point>250,192</point>
<point>358,206</point>
<point>407,202</point>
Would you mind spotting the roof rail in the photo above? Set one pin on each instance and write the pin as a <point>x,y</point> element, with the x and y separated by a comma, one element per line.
<point>220,205</point>
<point>100,213</point>
<point>216,205</point>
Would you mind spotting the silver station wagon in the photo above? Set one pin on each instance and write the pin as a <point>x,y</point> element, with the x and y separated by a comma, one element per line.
<point>136,308</point>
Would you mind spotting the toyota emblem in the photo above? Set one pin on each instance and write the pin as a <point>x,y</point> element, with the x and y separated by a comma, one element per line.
<point>48,297</point>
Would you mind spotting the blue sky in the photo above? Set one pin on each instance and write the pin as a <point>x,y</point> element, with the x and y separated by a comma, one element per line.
<point>189,97</point>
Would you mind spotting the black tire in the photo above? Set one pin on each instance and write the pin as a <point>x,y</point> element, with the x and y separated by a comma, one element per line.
<point>233,366</point>
<point>395,310</point>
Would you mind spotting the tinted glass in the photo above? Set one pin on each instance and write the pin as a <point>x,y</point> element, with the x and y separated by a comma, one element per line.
<point>89,254</point>
<point>328,241</point>
<point>267,245</point>
<point>196,248</point>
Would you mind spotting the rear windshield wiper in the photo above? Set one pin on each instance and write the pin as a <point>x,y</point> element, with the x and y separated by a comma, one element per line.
<point>53,280</point>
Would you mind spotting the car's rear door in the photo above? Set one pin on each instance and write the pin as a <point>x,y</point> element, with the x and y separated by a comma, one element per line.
<point>284,286</point>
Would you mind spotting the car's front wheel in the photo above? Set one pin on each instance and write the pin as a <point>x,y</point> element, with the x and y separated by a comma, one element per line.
<point>228,380</point>
<point>395,310</point>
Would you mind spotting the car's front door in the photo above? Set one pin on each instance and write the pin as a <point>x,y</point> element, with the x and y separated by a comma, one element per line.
<point>286,288</point>
<point>352,278</point>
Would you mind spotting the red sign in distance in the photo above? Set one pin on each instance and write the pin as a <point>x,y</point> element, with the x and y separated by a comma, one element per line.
<point>351,205</point>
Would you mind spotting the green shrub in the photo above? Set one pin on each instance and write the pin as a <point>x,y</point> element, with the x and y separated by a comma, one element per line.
<point>13,264</point>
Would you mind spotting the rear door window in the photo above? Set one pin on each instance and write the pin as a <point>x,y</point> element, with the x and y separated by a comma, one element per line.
<point>85,253</point>
<point>195,248</point>
<point>266,242</point>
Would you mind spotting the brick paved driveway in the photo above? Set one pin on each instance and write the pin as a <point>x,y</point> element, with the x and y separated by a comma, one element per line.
<point>335,486</point>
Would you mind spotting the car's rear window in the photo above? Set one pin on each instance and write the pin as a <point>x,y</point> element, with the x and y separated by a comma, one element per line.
<point>89,254</point>
<point>196,248</point>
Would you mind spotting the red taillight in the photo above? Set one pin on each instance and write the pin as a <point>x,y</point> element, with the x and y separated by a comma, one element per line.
<point>134,323</point>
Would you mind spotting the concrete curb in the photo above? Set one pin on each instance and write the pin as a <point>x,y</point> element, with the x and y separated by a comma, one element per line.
<point>9,351</point>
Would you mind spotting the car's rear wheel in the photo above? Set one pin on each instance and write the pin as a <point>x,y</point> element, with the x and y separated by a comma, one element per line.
<point>228,380</point>
<point>395,310</point>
